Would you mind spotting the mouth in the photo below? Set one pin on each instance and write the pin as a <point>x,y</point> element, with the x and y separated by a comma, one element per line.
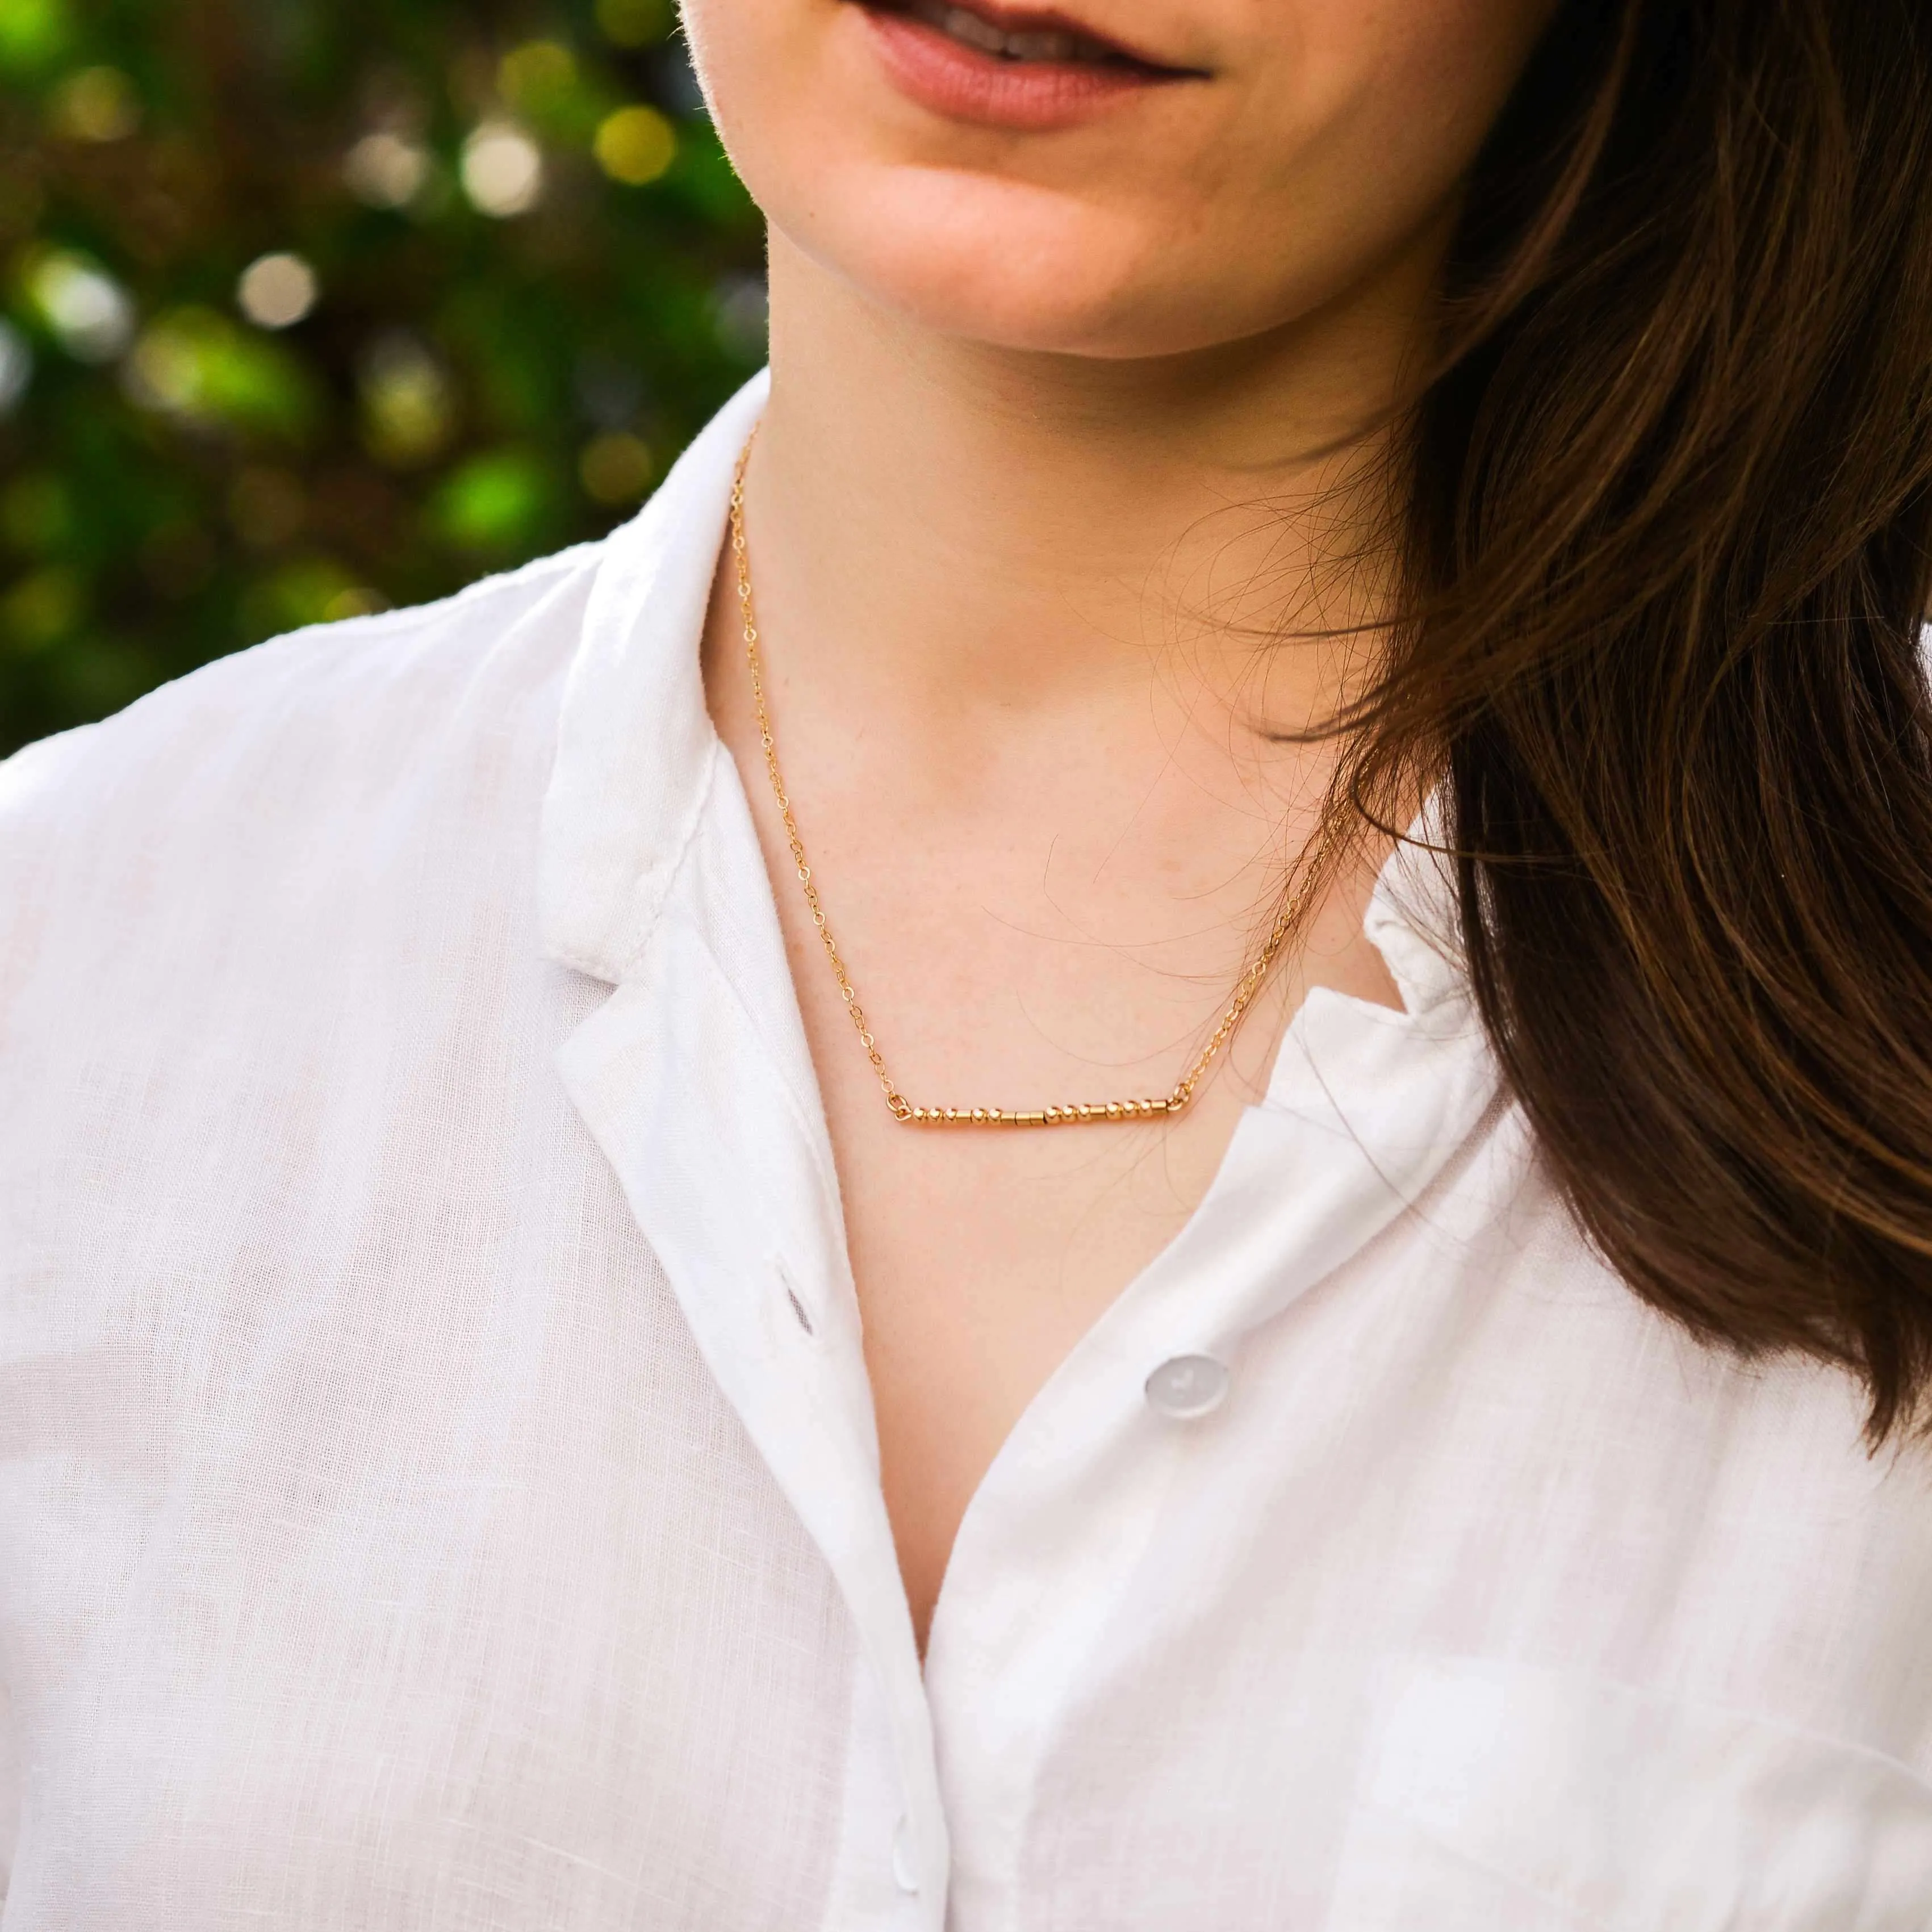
<point>1026,37</point>
<point>1022,69</point>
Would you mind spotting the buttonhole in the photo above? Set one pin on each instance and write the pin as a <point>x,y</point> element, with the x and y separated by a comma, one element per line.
<point>800,1304</point>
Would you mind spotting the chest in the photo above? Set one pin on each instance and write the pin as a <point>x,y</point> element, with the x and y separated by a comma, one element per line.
<point>421,1502</point>
<point>386,1574</point>
<point>981,1256</point>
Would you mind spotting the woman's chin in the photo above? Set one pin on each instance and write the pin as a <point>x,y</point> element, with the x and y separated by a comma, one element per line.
<point>1029,272</point>
<point>977,302</point>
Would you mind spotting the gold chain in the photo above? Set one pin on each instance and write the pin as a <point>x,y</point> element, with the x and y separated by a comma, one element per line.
<point>1313,869</point>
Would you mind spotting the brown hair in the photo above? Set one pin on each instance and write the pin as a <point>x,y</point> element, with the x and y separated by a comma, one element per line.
<point>1671,544</point>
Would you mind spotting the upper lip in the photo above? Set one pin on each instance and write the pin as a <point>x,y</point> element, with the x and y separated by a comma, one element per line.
<point>1045,20</point>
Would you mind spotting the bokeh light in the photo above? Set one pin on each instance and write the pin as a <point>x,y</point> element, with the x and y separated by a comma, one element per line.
<point>615,468</point>
<point>34,34</point>
<point>530,276</point>
<point>503,170</point>
<point>495,501</point>
<point>277,291</point>
<point>409,402</point>
<point>635,146</point>
<point>386,170</point>
<point>194,364</point>
<point>98,103</point>
<point>87,310</point>
<point>539,79</point>
<point>634,23</point>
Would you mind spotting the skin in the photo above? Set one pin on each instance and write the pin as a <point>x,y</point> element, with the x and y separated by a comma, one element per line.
<point>1047,504</point>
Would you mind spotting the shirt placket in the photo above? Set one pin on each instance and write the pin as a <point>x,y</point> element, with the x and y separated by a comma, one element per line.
<point>695,1080</point>
<point>1365,1107</point>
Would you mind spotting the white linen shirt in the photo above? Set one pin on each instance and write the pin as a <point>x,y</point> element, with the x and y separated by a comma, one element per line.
<point>438,1480</point>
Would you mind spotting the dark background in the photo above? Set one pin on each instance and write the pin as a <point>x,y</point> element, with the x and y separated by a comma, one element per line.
<point>526,277</point>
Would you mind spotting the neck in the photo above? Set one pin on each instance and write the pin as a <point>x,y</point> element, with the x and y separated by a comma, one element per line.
<point>994,532</point>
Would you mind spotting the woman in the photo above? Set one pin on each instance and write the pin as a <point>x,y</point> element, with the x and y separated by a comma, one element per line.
<point>811,1219</point>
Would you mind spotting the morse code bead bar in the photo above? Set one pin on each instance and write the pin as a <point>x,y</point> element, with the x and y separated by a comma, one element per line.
<point>1040,1116</point>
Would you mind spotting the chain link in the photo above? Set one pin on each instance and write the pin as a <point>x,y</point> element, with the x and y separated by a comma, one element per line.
<point>1313,868</point>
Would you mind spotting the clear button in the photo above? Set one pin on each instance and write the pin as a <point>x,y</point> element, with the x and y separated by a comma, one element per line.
<point>905,1872</point>
<point>1188,1386</point>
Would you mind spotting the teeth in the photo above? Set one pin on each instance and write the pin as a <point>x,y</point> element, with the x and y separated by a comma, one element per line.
<point>1046,46</point>
<point>973,30</point>
<point>1031,43</point>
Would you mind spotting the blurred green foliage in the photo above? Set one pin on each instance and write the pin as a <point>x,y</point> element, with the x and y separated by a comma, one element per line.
<point>311,307</point>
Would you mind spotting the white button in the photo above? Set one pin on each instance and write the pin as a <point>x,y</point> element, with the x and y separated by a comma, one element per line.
<point>905,1872</point>
<point>1188,1386</point>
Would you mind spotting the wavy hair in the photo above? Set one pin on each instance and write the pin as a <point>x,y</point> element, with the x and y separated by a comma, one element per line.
<point>1670,547</point>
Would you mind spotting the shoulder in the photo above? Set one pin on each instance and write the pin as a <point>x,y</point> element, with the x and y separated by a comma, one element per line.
<point>350,693</point>
<point>408,737</point>
<point>339,708</point>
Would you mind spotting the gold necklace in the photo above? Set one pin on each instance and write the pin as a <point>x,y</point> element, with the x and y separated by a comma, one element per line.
<point>1313,868</point>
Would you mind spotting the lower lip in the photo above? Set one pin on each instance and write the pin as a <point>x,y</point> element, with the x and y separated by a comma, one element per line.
<point>963,84</point>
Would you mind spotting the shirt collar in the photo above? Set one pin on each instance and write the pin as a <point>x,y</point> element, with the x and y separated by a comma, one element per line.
<point>636,750</point>
<point>1413,916</point>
